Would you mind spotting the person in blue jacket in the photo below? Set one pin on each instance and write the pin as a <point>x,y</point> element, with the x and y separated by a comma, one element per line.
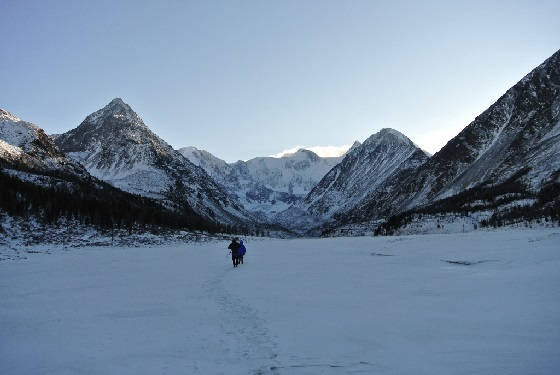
<point>241,251</point>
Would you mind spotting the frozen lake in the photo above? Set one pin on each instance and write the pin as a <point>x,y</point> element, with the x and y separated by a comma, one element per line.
<point>476,303</point>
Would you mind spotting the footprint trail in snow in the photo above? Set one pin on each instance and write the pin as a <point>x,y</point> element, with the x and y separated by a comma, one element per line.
<point>243,329</point>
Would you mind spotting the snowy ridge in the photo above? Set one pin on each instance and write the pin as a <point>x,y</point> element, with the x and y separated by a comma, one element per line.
<point>25,145</point>
<point>215,167</point>
<point>295,173</point>
<point>16,132</point>
<point>7,116</point>
<point>265,185</point>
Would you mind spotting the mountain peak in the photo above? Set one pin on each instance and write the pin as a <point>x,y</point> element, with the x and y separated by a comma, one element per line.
<point>5,115</point>
<point>118,105</point>
<point>115,122</point>
<point>354,146</point>
<point>305,151</point>
<point>388,135</point>
<point>116,109</point>
<point>392,132</point>
<point>302,153</point>
<point>188,150</point>
<point>117,101</point>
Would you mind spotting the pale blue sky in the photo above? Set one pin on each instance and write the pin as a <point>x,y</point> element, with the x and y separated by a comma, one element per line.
<point>252,78</point>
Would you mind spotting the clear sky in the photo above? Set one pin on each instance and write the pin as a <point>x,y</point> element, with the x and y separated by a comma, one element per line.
<point>252,78</point>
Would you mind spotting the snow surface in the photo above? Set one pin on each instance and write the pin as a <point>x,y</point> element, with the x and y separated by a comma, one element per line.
<point>475,303</point>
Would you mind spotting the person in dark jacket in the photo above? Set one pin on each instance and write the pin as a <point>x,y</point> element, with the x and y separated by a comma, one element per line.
<point>234,247</point>
<point>241,251</point>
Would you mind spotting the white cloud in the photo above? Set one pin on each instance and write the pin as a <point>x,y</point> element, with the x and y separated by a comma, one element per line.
<point>323,151</point>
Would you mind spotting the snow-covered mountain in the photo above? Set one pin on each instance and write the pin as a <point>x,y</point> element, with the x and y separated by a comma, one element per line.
<point>375,165</point>
<point>116,146</point>
<point>24,145</point>
<point>266,185</point>
<point>514,146</point>
<point>522,129</point>
<point>215,167</point>
<point>42,185</point>
<point>518,136</point>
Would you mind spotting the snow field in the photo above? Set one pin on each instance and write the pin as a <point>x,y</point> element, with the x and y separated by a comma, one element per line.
<point>485,302</point>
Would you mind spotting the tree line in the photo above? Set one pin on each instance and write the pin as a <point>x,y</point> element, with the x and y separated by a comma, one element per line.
<point>93,202</point>
<point>490,197</point>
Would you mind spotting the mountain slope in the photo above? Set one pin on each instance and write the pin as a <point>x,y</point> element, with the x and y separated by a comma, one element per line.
<point>116,146</point>
<point>518,133</point>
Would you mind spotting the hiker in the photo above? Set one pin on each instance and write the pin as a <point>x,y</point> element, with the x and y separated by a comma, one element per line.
<point>234,247</point>
<point>241,251</point>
